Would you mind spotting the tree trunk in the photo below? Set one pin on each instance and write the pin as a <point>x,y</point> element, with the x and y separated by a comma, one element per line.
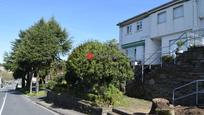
<point>23,81</point>
<point>31,84</point>
<point>29,78</point>
<point>37,84</point>
<point>26,79</point>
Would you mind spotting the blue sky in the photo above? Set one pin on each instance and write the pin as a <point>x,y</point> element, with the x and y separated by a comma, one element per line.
<point>83,19</point>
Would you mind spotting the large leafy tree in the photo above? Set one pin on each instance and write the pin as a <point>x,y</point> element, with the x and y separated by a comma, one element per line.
<point>37,47</point>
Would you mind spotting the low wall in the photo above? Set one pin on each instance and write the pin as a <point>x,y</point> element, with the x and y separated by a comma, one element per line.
<point>70,102</point>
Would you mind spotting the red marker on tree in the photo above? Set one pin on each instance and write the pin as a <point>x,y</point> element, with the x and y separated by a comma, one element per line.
<point>89,56</point>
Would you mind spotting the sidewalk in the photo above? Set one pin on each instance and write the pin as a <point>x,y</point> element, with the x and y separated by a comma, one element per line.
<point>50,106</point>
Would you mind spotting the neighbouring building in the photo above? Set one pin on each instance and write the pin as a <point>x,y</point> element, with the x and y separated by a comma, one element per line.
<point>2,68</point>
<point>141,36</point>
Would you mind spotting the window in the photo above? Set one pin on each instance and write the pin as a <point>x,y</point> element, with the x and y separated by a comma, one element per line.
<point>129,29</point>
<point>178,12</point>
<point>139,26</point>
<point>161,18</point>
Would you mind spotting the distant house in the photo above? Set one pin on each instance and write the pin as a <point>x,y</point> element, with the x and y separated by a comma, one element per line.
<point>142,35</point>
<point>2,68</point>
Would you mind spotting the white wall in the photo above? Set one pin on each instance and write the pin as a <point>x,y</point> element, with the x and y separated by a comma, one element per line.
<point>139,53</point>
<point>120,37</point>
<point>172,25</point>
<point>167,31</point>
<point>151,28</point>
<point>201,8</point>
<point>201,13</point>
<point>135,36</point>
<point>202,23</point>
<point>166,40</point>
<point>151,46</point>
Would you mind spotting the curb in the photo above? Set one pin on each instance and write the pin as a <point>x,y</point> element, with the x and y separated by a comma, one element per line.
<point>43,106</point>
<point>50,108</point>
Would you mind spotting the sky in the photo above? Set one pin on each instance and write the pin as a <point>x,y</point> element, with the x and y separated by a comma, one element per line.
<point>83,19</point>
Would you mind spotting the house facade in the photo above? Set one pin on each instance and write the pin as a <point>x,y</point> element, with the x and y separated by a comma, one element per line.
<point>141,36</point>
<point>2,68</point>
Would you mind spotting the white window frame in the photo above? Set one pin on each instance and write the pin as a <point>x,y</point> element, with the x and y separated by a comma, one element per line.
<point>129,29</point>
<point>178,8</point>
<point>159,17</point>
<point>139,26</point>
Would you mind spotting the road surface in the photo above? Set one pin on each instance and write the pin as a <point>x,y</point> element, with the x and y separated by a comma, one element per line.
<point>13,103</point>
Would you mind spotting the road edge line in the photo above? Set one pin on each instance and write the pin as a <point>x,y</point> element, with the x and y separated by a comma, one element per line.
<point>39,105</point>
<point>3,104</point>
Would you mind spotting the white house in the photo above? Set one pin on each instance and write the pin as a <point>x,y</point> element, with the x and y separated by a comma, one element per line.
<point>2,68</point>
<point>141,36</point>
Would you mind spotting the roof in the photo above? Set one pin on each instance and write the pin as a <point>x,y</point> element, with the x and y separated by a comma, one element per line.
<point>146,14</point>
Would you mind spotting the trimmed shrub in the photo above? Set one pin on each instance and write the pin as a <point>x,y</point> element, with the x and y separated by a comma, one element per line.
<point>94,65</point>
<point>109,95</point>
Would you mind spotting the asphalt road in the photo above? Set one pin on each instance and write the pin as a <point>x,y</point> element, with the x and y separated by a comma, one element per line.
<point>13,103</point>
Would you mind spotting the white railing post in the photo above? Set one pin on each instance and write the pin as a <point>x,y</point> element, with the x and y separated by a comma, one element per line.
<point>161,60</point>
<point>197,92</point>
<point>142,73</point>
<point>173,97</point>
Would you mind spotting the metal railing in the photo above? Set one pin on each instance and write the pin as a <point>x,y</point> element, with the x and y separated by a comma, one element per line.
<point>191,38</point>
<point>198,90</point>
<point>160,49</point>
<point>159,52</point>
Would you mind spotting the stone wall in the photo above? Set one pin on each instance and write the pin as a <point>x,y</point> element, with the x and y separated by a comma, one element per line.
<point>161,82</point>
<point>70,102</point>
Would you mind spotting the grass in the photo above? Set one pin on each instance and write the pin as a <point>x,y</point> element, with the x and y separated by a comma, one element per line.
<point>38,94</point>
<point>127,101</point>
<point>41,93</point>
<point>134,105</point>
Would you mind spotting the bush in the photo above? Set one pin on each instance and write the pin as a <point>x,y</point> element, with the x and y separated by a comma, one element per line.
<point>57,84</point>
<point>112,95</point>
<point>167,59</point>
<point>180,43</point>
<point>106,96</point>
<point>93,65</point>
<point>51,84</point>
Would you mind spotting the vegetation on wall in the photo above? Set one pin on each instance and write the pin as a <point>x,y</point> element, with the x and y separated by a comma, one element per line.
<point>167,59</point>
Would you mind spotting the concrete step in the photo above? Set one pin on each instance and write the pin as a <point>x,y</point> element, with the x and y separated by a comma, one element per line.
<point>196,49</point>
<point>190,70</point>
<point>121,112</point>
<point>142,114</point>
<point>197,74</point>
<point>112,113</point>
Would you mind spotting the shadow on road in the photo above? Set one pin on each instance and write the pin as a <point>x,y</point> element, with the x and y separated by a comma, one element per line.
<point>13,91</point>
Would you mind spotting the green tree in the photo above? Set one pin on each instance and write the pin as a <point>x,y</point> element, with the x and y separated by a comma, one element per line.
<point>37,47</point>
